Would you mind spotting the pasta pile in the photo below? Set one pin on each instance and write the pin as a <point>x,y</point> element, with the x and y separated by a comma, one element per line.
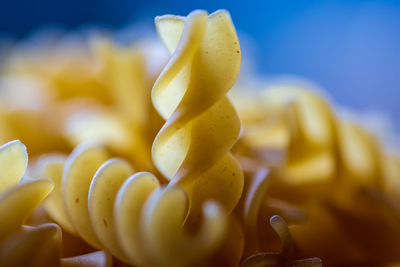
<point>129,215</point>
<point>141,161</point>
<point>328,173</point>
<point>25,245</point>
<point>192,149</point>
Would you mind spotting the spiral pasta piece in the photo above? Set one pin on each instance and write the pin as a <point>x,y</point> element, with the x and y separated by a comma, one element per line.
<point>13,163</point>
<point>296,123</point>
<point>193,146</point>
<point>124,126</point>
<point>22,245</point>
<point>124,72</point>
<point>80,167</point>
<point>52,168</point>
<point>360,168</point>
<point>359,154</point>
<point>67,69</point>
<point>17,200</point>
<point>130,216</point>
<point>311,147</point>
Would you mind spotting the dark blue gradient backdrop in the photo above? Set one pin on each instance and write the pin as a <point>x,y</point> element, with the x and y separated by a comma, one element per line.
<point>351,48</point>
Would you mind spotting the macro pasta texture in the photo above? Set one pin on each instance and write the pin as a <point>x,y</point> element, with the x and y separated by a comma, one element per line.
<point>78,96</point>
<point>18,199</point>
<point>156,152</point>
<point>193,146</point>
<point>27,245</point>
<point>325,172</point>
<point>129,215</point>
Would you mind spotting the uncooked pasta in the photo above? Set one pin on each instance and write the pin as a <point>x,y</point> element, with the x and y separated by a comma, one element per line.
<point>156,152</point>
<point>127,214</point>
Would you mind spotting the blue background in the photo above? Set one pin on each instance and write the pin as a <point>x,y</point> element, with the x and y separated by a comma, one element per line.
<point>351,48</point>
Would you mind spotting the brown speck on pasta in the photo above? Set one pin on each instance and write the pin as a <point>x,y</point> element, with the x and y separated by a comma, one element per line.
<point>288,140</point>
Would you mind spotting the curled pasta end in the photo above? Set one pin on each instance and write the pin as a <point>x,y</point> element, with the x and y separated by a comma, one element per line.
<point>285,257</point>
<point>13,163</point>
<point>164,219</point>
<point>281,228</point>
<point>20,200</point>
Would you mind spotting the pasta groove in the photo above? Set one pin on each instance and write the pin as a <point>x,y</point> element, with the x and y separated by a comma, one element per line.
<point>131,216</point>
<point>193,147</point>
<point>18,198</point>
<point>296,124</point>
<point>24,245</point>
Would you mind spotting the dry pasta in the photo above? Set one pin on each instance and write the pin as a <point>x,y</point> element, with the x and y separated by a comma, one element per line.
<point>166,170</point>
<point>130,215</point>
<point>23,245</point>
<point>192,148</point>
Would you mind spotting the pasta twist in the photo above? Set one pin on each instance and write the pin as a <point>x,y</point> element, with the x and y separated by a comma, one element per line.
<point>296,124</point>
<point>358,178</point>
<point>130,216</point>
<point>193,147</point>
<point>23,245</point>
<point>359,155</point>
<point>17,200</point>
<point>124,126</point>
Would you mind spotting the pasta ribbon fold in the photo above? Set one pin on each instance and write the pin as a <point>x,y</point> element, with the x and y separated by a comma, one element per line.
<point>294,130</point>
<point>20,244</point>
<point>131,216</point>
<point>193,147</point>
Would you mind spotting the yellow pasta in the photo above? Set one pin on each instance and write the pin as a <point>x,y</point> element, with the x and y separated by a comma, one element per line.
<point>131,216</point>
<point>298,125</point>
<point>66,70</point>
<point>359,191</point>
<point>359,153</point>
<point>52,168</point>
<point>154,178</point>
<point>17,198</point>
<point>22,245</point>
<point>124,72</point>
<point>192,148</point>
<point>99,94</point>
<point>123,127</point>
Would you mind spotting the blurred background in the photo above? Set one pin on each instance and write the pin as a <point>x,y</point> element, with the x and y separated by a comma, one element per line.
<point>350,48</point>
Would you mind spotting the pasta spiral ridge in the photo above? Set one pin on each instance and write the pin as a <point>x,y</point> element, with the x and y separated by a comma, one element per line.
<point>21,244</point>
<point>19,196</point>
<point>131,216</point>
<point>193,147</point>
